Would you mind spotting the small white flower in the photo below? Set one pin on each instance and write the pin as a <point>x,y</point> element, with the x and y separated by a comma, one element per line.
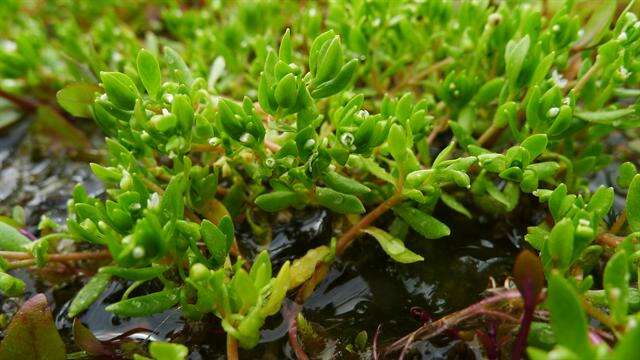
<point>558,79</point>
<point>363,113</point>
<point>138,252</point>
<point>245,138</point>
<point>168,98</point>
<point>309,143</point>
<point>347,139</point>
<point>555,28</point>
<point>154,201</point>
<point>213,141</point>
<point>9,46</point>
<point>553,112</point>
<point>622,36</point>
<point>624,73</point>
<point>270,162</point>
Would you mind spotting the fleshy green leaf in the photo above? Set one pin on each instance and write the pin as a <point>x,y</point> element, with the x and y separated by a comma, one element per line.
<point>89,293</point>
<point>568,320</point>
<point>425,224</point>
<point>77,98</point>
<point>633,204</point>
<point>11,239</point>
<point>161,350</point>
<point>149,71</point>
<point>393,246</point>
<point>616,285</point>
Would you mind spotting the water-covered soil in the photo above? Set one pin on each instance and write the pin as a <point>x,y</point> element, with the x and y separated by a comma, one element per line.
<point>363,290</point>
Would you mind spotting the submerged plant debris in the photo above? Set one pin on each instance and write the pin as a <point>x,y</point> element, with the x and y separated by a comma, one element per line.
<point>345,179</point>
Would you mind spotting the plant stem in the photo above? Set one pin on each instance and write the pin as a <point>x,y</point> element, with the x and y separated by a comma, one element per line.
<point>347,238</point>
<point>434,328</point>
<point>293,340</point>
<point>25,259</point>
<point>232,348</point>
<point>439,128</point>
<point>598,314</point>
<point>489,134</point>
<point>577,88</point>
<point>22,103</point>
<point>619,223</point>
<point>609,240</point>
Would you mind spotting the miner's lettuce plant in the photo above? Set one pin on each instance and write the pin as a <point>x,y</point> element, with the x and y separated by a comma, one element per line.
<point>370,110</point>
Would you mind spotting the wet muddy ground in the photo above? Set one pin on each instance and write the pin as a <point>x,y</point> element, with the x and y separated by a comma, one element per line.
<point>363,290</point>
